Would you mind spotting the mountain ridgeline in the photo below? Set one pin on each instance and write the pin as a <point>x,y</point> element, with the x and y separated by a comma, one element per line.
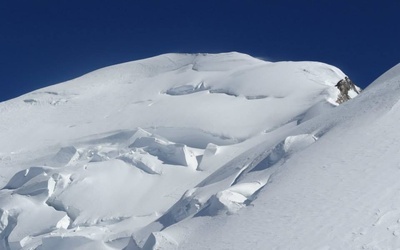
<point>202,151</point>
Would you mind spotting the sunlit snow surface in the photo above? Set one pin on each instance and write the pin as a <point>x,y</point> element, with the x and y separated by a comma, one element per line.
<point>202,151</point>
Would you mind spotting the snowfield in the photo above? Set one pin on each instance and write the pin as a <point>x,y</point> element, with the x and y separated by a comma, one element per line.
<point>202,151</point>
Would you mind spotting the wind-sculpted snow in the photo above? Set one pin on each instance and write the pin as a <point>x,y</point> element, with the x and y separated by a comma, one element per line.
<point>339,192</point>
<point>185,150</point>
<point>166,151</point>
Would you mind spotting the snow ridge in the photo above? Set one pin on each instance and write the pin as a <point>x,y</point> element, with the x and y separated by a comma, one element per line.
<point>199,151</point>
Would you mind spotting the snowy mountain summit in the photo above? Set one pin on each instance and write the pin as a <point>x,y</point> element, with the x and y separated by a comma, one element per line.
<point>202,151</point>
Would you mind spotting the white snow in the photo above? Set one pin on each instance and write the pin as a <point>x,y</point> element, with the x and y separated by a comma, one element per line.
<point>202,151</point>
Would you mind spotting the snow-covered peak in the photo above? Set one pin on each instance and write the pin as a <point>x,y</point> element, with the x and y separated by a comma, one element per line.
<point>115,156</point>
<point>174,91</point>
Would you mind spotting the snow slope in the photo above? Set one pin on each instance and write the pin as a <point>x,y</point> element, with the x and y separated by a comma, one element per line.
<point>341,192</point>
<point>201,151</point>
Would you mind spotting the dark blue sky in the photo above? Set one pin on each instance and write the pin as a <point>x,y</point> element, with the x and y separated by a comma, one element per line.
<point>47,42</point>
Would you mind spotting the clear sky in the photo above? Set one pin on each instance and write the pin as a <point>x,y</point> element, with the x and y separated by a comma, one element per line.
<point>49,41</point>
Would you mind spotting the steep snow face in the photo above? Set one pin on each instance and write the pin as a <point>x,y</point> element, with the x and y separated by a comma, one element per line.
<point>336,190</point>
<point>131,155</point>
